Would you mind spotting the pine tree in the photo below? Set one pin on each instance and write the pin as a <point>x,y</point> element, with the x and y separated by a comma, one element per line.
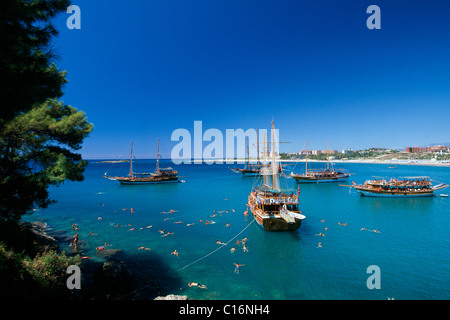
<point>39,135</point>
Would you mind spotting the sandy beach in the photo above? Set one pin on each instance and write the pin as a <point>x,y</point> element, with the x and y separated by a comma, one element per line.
<point>394,162</point>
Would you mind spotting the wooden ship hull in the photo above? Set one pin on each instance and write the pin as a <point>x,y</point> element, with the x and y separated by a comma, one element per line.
<point>146,180</point>
<point>248,172</point>
<point>316,179</point>
<point>274,222</point>
<point>398,189</point>
<point>394,194</point>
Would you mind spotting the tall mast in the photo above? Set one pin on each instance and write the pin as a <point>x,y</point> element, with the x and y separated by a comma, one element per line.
<point>274,168</point>
<point>131,160</point>
<point>157,158</point>
<point>328,155</point>
<point>306,159</point>
<point>264,160</point>
<point>248,153</point>
<point>257,147</point>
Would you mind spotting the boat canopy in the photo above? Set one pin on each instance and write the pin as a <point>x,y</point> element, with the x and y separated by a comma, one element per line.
<point>274,191</point>
<point>141,174</point>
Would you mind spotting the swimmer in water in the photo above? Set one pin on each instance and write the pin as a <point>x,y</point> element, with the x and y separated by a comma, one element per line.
<point>320,234</point>
<point>175,253</point>
<point>75,241</point>
<point>236,270</point>
<point>167,234</point>
<point>198,285</point>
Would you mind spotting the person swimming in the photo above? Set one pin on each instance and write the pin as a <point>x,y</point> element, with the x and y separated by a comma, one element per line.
<point>75,241</point>
<point>167,234</point>
<point>320,234</point>
<point>236,270</point>
<point>198,285</point>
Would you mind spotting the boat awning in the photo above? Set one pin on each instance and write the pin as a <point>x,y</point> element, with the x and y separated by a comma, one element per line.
<point>270,190</point>
<point>419,177</point>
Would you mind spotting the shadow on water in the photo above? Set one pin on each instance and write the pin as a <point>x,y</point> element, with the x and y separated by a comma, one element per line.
<point>118,275</point>
<point>128,277</point>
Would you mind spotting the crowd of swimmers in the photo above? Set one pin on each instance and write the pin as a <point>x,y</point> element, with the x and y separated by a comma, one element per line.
<point>175,253</point>
<point>343,224</point>
<point>75,242</point>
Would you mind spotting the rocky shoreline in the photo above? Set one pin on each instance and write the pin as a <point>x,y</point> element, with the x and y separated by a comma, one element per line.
<point>112,279</point>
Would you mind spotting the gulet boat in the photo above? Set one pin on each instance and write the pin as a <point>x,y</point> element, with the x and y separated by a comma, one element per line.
<point>273,208</point>
<point>160,175</point>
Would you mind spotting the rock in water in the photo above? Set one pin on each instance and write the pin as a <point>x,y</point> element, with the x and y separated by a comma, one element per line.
<point>172,297</point>
<point>112,279</point>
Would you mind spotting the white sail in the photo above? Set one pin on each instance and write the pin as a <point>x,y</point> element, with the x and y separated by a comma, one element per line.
<point>275,148</point>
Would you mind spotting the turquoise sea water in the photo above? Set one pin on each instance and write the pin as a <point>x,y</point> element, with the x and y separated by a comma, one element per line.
<point>412,248</point>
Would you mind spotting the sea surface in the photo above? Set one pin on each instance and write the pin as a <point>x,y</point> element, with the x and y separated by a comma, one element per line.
<point>412,248</point>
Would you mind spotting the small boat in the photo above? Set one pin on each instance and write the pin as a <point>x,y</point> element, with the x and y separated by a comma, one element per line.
<point>443,195</point>
<point>160,175</point>
<point>320,176</point>
<point>273,208</point>
<point>412,187</point>
<point>252,170</point>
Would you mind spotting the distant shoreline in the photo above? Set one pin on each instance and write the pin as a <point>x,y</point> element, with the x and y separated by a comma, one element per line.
<point>366,161</point>
<point>387,162</point>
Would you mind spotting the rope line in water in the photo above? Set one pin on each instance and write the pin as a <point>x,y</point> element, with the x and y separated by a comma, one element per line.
<point>223,245</point>
<point>192,263</point>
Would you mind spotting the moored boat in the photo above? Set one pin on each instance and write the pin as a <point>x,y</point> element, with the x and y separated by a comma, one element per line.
<point>160,175</point>
<point>320,176</point>
<point>412,187</point>
<point>252,169</point>
<point>273,208</point>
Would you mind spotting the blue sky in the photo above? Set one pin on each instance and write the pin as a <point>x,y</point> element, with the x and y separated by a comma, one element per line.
<point>141,69</point>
